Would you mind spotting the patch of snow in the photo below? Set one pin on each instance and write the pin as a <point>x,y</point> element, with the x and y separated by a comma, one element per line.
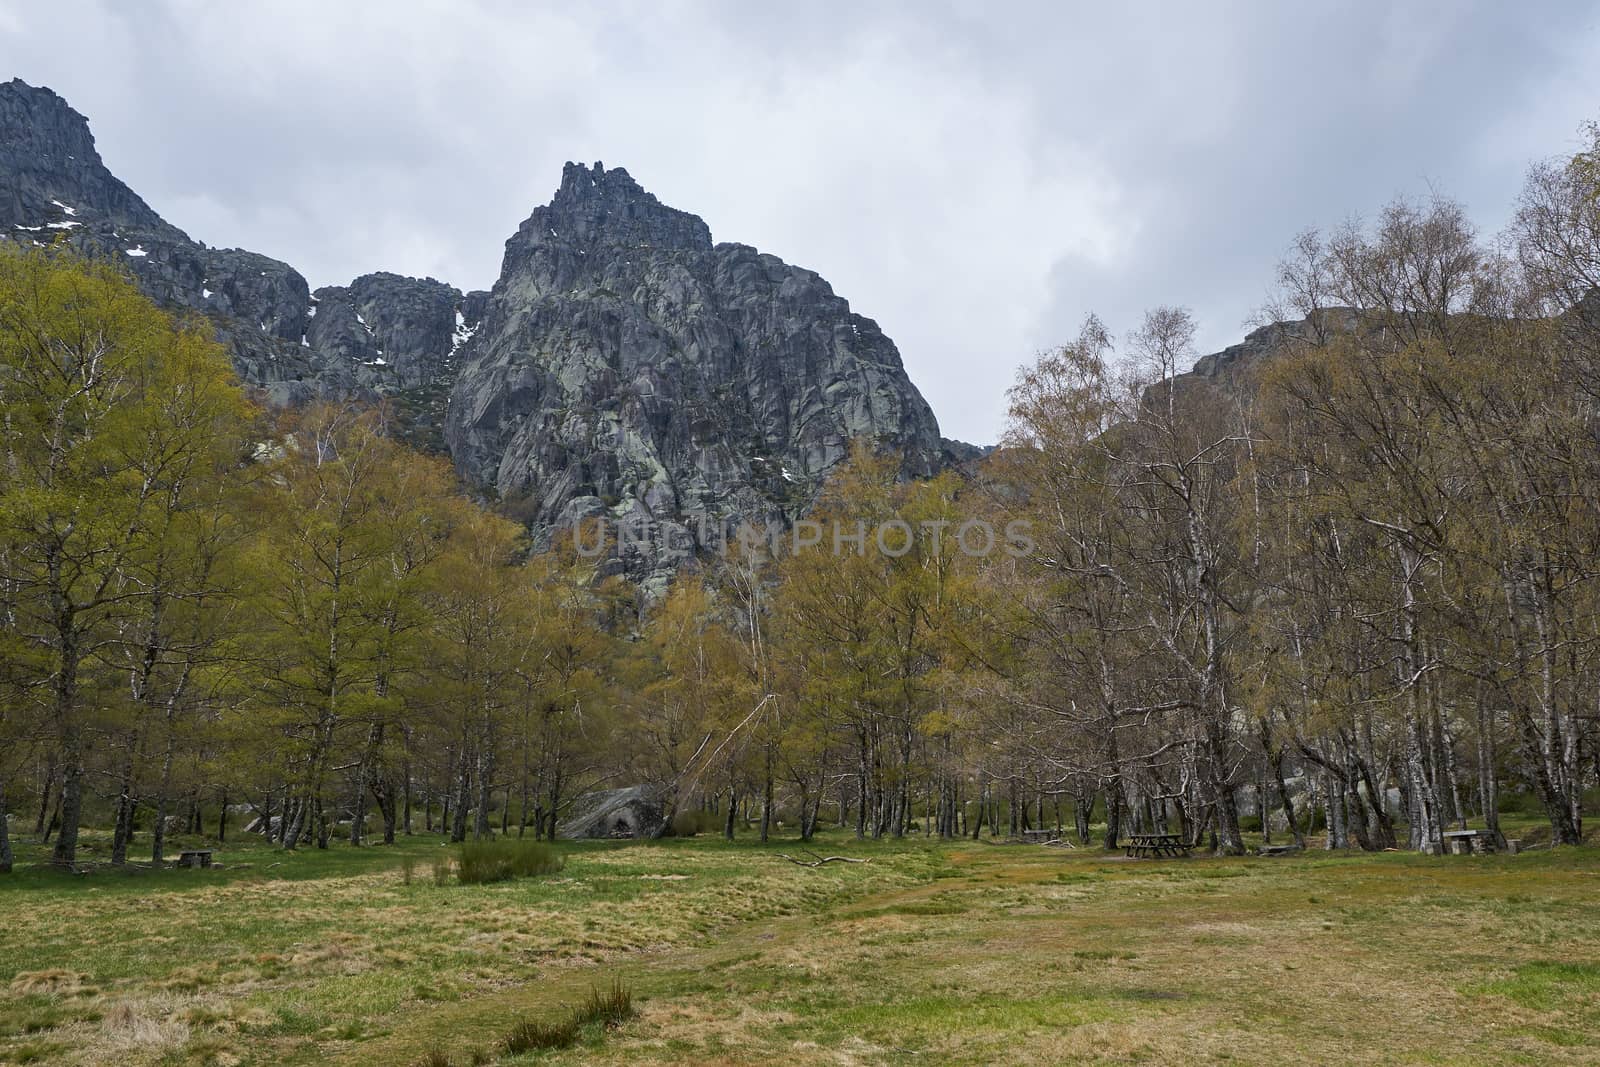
<point>30,229</point>
<point>303,342</point>
<point>63,207</point>
<point>379,362</point>
<point>462,335</point>
<point>62,225</point>
<point>786,475</point>
<point>311,311</point>
<point>137,251</point>
<point>205,294</point>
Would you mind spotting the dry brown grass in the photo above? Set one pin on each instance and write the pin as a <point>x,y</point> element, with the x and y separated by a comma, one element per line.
<point>959,955</point>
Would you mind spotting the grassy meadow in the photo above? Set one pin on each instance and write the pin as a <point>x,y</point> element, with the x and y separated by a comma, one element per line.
<point>928,953</point>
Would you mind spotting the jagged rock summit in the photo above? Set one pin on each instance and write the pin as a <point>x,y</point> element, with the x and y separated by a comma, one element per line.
<point>626,364</point>
<point>623,364</point>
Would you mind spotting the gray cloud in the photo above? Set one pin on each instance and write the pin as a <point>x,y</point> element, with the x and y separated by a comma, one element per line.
<point>976,177</point>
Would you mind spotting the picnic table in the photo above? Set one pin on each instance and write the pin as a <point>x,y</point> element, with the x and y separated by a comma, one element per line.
<point>198,857</point>
<point>1143,845</point>
<point>1466,842</point>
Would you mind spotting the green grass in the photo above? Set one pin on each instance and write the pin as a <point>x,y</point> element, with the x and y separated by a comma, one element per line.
<point>927,953</point>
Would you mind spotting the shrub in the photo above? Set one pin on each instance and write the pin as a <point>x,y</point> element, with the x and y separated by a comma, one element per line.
<point>613,1007</point>
<point>408,865</point>
<point>478,862</point>
<point>527,1036</point>
<point>610,1008</point>
<point>435,1058</point>
<point>689,823</point>
<point>1515,802</point>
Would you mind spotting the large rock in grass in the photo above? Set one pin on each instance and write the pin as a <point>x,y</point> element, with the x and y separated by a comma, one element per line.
<point>635,812</point>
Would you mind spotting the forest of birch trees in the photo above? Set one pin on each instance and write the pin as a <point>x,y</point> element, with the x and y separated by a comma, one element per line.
<point>1340,587</point>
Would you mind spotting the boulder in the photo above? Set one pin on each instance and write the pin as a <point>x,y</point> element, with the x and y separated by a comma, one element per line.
<point>634,812</point>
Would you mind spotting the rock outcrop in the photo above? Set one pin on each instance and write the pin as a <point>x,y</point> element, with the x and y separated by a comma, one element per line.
<point>632,812</point>
<point>626,365</point>
<point>1267,341</point>
<point>387,334</point>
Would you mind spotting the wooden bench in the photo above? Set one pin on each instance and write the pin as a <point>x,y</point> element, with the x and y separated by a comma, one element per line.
<point>1145,845</point>
<point>1040,837</point>
<point>199,857</point>
<point>1466,842</point>
<point>1278,850</point>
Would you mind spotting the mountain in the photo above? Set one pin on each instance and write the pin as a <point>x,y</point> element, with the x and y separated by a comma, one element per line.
<point>380,335</point>
<point>622,365</point>
<point>627,365</point>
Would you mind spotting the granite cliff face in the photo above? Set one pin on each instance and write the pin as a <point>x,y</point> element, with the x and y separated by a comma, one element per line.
<point>623,363</point>
<point>386,334</point>
<point>627,365</point>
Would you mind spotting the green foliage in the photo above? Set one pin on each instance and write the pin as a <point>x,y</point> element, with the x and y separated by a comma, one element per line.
<point>1515,802</point>
<point>122,431</point>
<point>479,862</point>
<point>690,823</point>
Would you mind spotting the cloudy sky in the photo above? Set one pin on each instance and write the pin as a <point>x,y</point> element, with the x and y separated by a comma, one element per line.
<point>976,177</point>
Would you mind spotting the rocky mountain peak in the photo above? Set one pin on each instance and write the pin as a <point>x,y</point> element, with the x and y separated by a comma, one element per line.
<point>599,207</point>
<point>49,164</point>
<point>627,366</point>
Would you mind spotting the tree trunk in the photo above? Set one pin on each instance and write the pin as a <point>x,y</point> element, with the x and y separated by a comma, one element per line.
<point>6,857</point>
<point>365,779</point>
<point>1488,779</point>
<point>123,826</point>
<point>388,836</point>
<point>458,814</point>
<point>1082,815</point>
<point>1285,801</point>
<point>480,825</point>
<point>46,795</point>
<point>72,764</point>
<point>1113,793</point>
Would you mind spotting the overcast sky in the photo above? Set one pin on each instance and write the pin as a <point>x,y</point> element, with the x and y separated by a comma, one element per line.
<point>976,177</point>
